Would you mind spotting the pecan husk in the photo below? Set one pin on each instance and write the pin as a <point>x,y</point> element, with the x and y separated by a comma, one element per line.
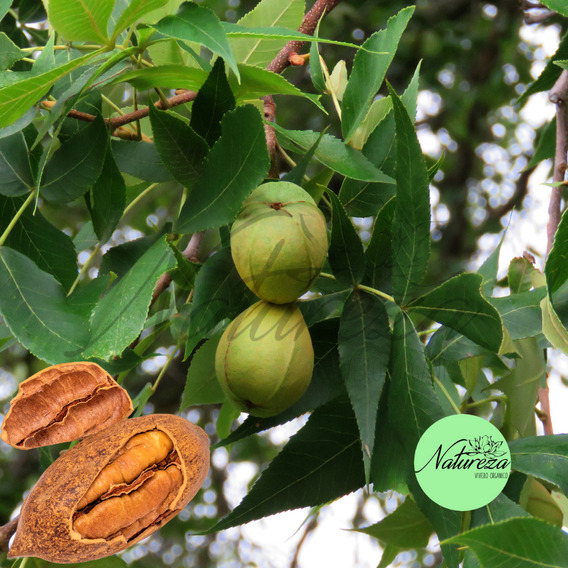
<point>50,527</point>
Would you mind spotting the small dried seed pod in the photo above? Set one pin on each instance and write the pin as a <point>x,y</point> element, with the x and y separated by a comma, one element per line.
<point>113,489</point>
<point>63,403</point>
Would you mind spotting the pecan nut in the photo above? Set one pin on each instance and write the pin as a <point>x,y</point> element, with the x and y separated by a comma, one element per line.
<point>113,489</point>
<point>63,403</point>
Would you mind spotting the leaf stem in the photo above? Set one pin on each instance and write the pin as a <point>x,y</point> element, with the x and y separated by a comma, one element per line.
<point>446,394</point>
<point>84,268</point>
<point>16,217</point>
<point>140,196</point>
<point>376,292</point>
<point>165,368</point>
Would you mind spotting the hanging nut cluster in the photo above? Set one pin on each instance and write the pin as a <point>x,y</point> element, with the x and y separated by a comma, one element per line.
<point>265,359</point>
<point>115,487</point>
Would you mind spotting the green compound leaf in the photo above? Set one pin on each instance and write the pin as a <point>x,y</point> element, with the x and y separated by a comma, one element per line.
<point>119,317</point>
<point>35,237</point>
<point>182,150</point>
<point>213,100</point>
<point>320,463</point>
<point>108,199</point>
<point>458,303</point>
<point>268,13</point>
<point>219,293</point>
<point>77,164</point>
<point>202,386</point>
<point>80,20</point>
<point>34,307</point>
<point>543,457</point>
<point>406,527</point>
<point>196,23</point>
<point>369,68</point>
<point>334,154</point>
<point>346,256</point>
<point>16,176</point>
<point>364,351</point>
<point>411,222</point>
<point>517,543</point>
<point>234,167</point>
<point>17,97</point>
<point>135,10</point>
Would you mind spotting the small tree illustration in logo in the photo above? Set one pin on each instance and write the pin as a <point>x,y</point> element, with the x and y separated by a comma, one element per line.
<point>487,446</point>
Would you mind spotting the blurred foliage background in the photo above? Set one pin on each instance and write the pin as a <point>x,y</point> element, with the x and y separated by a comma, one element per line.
<point>477,59</point>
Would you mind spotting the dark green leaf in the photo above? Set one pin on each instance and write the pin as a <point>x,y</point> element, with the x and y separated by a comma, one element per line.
<point>378,256</point>
<point>446,522</point>
<point>196,23</point>
<point>219,294</point>
<point>411,396</point>
<point>77,164</point>
<point>33,306</point>
<point>406,527</point>
<point>141,160</point>
<point>234,167</point>
<point>316,69</point>
<point>458,304</point>
<point>556,268</point>
<point>297,173</point>
<point>51,249</point>
<point>449,345</point>
<point>108,199</point>
<point>364,350</point>
<point>185,272</point>
<point>543,457</point>
<point>213,100</point>
<point>517,543</point>
<point>558,6</point>
<point>119,317</point>
<point>411,222</point>
<point>15,171</point>
<point>182,150</point>
<point>202,386</point>
<point>9,52</point>
<point>346,256</point>
<point>521,313</point>
<point>326,383</point>
<point>369,68</point>
<point>323,307</point>
<point>363,199</point>
<point>320,463</point>
<point>500,509</point>
<point>333,153</point>
<point>121,258</point>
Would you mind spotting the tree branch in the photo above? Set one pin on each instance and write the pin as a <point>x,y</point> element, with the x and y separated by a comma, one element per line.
<point>118,121</point>
<point>319,9</point>
<point>544,415</point>
<point>6,533</point>
<point>559,96</point>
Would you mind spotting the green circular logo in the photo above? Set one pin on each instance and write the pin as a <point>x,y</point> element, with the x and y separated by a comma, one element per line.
<point>462,462</point>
